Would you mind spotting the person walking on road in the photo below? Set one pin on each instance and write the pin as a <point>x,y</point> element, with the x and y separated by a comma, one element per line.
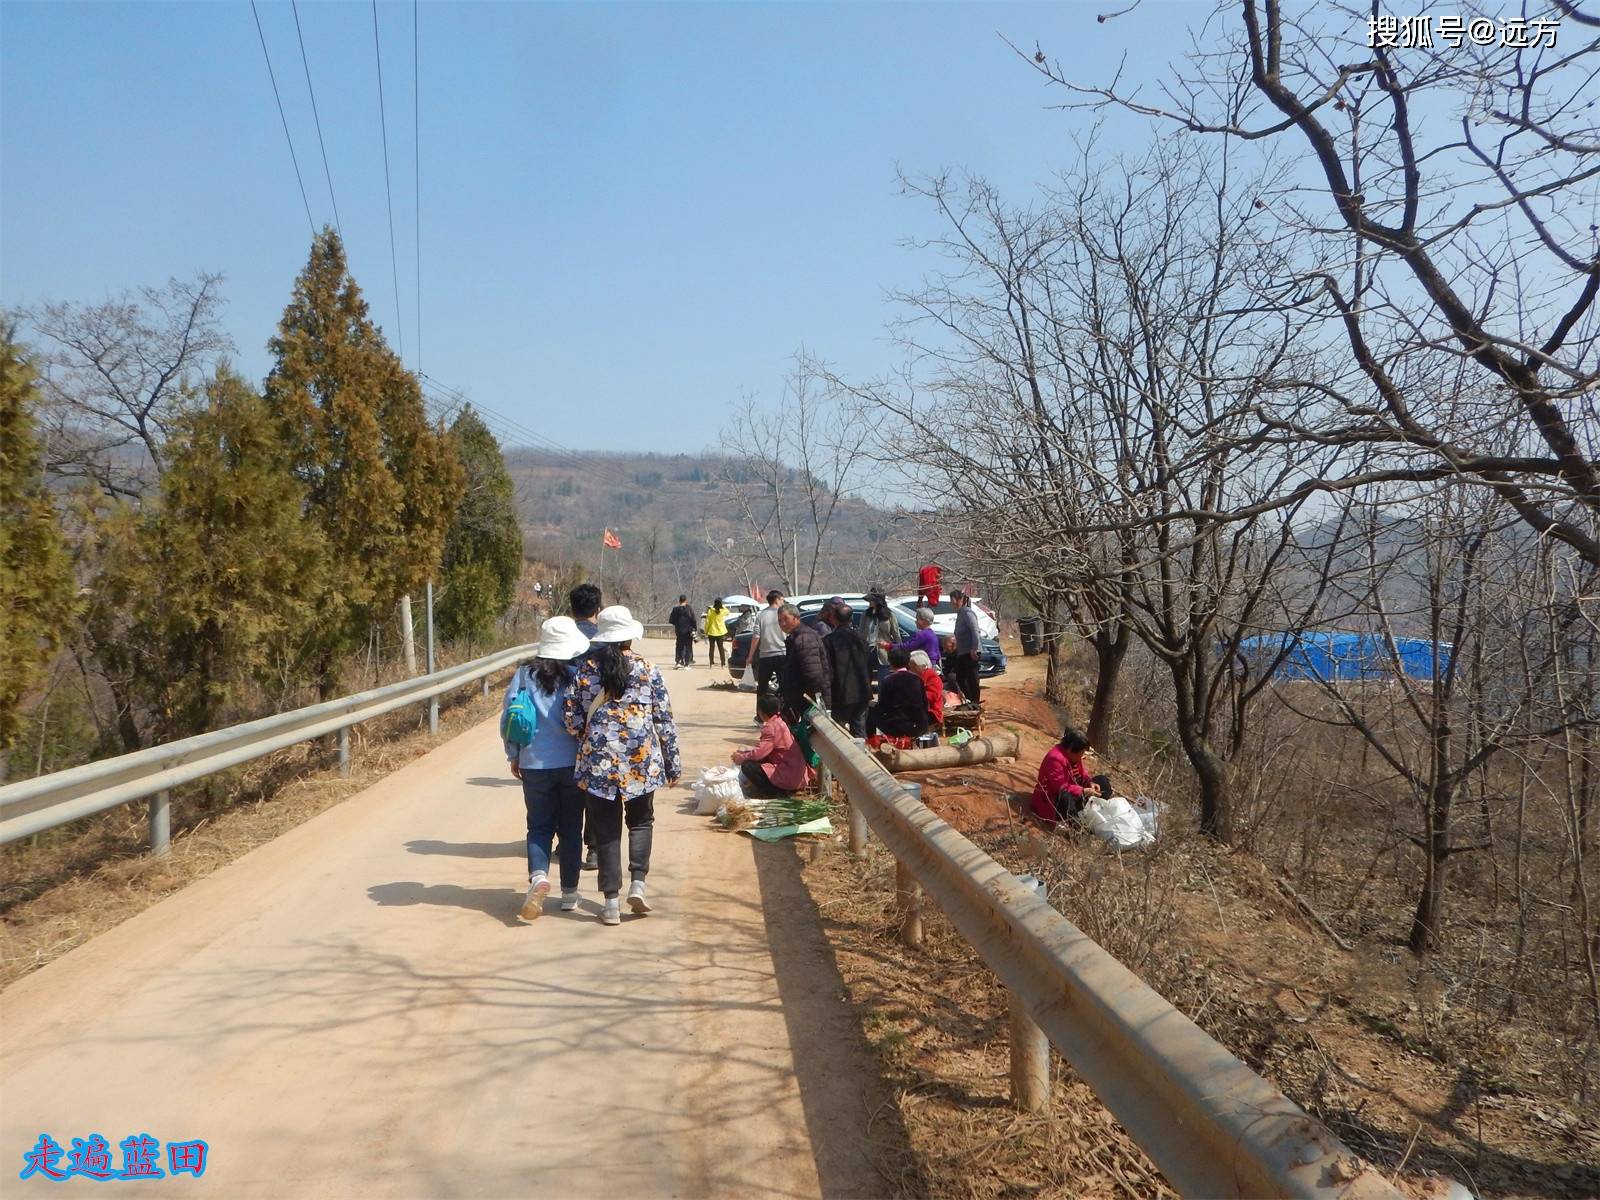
<point>716,627</point>
<point>849,667</point>
<point>767,651</point>
<point>806,676</point>
<point>681,618</point>
<point>553,799</point>
<point>585,602</point>
<point>619,712</point>
<point>968,643</point>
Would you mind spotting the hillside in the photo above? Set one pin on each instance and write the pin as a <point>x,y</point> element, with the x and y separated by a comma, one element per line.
<point>681,526</point>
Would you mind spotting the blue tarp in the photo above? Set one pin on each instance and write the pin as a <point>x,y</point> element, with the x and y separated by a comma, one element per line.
<point>1327,655</point>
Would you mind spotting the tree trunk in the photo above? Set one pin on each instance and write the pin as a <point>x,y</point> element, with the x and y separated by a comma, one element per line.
<point>408,636</point>
<point>1109,653</point>
<point>1216,805</point>
<point>1436,860</point>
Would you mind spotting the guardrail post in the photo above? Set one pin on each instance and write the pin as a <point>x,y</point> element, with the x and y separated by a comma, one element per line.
<point>1030,1060</point>
<point>1030,1046</point>
<point>160,823</point>
<point>344,751</point>
<point>908,901</point>
<point>858,830</point>
<point>433,701</point>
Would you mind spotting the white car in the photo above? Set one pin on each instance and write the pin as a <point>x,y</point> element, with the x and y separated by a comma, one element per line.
<point>944,615</point>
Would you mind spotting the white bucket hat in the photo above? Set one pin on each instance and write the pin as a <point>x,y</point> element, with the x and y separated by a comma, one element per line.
<point>560,640</point>
<point>616,624</point>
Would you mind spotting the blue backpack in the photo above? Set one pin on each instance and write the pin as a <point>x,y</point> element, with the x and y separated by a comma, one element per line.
<point>520,720</point>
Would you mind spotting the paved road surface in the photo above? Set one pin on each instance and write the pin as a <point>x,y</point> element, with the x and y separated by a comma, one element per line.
<point>355,1010</point>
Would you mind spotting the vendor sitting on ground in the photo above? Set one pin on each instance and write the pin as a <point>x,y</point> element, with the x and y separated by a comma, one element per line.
<point>775,766</point>
<point>932,687</point>
<point>1064,780</point>
<point>947,669</point>
<point>901,714</point>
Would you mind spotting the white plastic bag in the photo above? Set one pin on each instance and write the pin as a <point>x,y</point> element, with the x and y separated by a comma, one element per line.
<point>1150,814</point>
<point>716,786</point>
<point>1116,821</point>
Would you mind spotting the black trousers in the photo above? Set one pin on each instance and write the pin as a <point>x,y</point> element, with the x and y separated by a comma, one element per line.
<point>605,819</point>
<point>967,676</point>
<point>757,785</point>
<point>716,646</point>
<point>853,717</point>
<point>685,655</point>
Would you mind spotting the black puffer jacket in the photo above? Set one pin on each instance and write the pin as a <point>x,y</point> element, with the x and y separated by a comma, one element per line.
<point>902,707</point>
<point>806,671</point>
<point>849,661</point>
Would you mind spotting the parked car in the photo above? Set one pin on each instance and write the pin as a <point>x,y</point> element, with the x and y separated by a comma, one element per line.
<point>944,615</point>
<point>991,659</point>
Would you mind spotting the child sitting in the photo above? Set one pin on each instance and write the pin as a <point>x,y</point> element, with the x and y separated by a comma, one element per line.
<point>775,766</point>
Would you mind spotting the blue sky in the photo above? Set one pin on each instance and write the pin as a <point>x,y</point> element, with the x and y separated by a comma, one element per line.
<point>631,213</point>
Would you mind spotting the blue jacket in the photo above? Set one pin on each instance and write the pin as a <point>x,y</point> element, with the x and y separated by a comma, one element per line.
<point>552,745</point>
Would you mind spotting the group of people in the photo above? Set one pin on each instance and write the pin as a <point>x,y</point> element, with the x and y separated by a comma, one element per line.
<point>602,744</point>
<point>713,623</point>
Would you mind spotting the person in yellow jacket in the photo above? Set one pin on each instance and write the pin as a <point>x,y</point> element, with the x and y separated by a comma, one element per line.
<point>716,628</point>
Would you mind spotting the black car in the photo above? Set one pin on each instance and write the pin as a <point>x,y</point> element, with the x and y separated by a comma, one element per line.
<point>991,659</point>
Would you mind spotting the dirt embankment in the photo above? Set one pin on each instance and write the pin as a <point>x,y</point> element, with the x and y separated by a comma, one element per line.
<point>1359,1037</point>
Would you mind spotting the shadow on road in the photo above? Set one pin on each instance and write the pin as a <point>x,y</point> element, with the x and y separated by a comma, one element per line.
<point>502,904</point>
<point>469,849</point>
<point>859,1142</point>
<point>494,781</point>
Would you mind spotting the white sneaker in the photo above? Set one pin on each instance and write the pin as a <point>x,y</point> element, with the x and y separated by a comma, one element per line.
<point>533,906</point>
<point>636,900</point>
<point>612,913</point>
<point>569,899</point>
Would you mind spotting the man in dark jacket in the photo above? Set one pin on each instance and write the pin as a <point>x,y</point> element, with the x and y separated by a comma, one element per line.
<point>849,667</point>
<point>805,671</point>
<point>682,621</point>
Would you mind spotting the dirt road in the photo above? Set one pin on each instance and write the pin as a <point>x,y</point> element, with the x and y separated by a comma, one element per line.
<point>355,1010</point>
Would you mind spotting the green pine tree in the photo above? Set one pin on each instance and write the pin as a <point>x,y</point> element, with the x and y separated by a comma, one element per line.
<point>37,595</point>
<point>380,482</point>
<point>210,594</point>
<point>483,548</point>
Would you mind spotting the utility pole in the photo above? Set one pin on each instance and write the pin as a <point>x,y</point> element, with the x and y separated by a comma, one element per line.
<point>433,701</point>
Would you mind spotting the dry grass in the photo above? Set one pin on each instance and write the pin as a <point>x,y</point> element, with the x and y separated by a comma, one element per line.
<point>937,1020</point>
<point>67,885</point>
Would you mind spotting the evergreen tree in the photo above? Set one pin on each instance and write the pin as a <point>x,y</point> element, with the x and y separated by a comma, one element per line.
<point>380,483</point>
<point>217,583</point>
<point>483,548</point>
<point>37,597</point>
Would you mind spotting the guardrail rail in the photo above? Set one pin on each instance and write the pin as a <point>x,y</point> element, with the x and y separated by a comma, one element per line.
<point>32,805</point>
<point>1211,1124</point>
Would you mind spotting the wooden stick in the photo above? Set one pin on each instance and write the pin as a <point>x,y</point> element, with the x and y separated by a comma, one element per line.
<point>1306,908</point>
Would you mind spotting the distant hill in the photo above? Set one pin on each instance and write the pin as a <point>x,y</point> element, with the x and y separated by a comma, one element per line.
<point>678,512</point>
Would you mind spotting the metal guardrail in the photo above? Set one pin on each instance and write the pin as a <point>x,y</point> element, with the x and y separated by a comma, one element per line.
<point>32,805</point>
<point>1211,1124</point>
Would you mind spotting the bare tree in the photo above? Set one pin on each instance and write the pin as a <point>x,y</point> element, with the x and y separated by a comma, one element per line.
<point>784,474</point>
<point>117,373</point>
<point>1458,191</point>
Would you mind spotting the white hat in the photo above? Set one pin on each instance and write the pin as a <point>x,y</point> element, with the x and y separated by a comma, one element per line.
<point>560,639</point>
<point>616,624</point>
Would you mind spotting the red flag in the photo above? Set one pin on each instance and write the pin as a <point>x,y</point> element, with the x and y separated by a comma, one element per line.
<point>611,541</point>
<point>755,591</point>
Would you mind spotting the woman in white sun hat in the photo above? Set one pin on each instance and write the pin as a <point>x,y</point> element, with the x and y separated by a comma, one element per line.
<point>619,711</point>
<point>552,796</point>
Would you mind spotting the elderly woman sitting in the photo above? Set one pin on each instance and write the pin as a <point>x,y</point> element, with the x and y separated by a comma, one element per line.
<point>932,687</point>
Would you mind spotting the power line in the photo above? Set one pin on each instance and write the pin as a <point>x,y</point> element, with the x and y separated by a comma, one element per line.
<point>383,122</point>
<point>306,63</point>
<point>416,141</point>
<point>292,156</point>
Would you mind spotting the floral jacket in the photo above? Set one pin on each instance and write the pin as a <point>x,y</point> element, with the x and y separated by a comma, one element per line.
<point>630,746</point>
